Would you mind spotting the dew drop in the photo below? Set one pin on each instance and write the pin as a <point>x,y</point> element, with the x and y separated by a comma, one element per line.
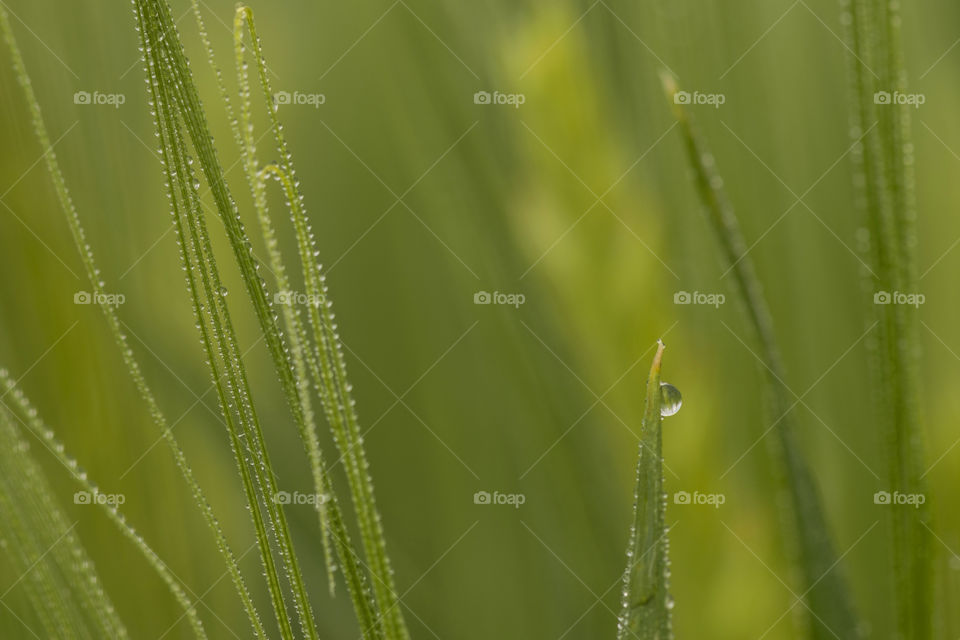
<point>670,399</point>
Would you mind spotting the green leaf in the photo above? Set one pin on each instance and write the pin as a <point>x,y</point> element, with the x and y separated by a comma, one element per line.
<point>886,188</point>
<point>646,603</point>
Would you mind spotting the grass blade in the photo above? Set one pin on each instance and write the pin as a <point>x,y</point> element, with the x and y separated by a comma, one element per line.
<point>304,360</point>
<point>27,415</point>
<point>646,603</point>
<point>331,378</point>
<point>213,318</point>
<point>133,367</point>
<point>824,588</point>
<point>886,185</point>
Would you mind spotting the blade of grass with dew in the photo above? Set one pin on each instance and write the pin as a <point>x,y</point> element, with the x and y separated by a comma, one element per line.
<point>646,602</point>
<point>214,325</point>
<point>337,400</point>
<point>331,381</point>
<point>332,523</point>
<point>57,575</point>
<point>371,619</point>
<point>824,586</point>
<point>98,286</point>
<point>28,416</point>
<point>885,184</point>
<point>179,90</point>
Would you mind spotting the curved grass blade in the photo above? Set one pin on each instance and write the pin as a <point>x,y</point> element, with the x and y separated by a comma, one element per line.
<point>304,360</point>
<point>331,379</point>
<point>98,286</point>
<point>824,588</point>
<point>885,187</point>
<point>214,323</point>
<point>646,603</point>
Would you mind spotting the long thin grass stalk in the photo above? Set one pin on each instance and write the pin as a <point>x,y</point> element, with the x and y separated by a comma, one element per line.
<point>323,358</point>
<point>60,581</point>
<point>28,416</point>
<point>331,379</point>
<point>824,587</point>
<point>181,93</point>
<point>133,367</point>
<point>213,320</point>
<point>885,181</point>
<point>303,357</point>
<point>646,604</point>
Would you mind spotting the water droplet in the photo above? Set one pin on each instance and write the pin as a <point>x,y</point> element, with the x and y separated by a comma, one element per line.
<point>670,399</point>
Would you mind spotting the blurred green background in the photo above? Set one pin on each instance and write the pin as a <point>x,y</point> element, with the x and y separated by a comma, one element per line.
<point>580,200</point>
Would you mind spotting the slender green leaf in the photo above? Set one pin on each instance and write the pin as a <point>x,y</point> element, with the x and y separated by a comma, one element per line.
<point>884,164</point>
<point>823,583</point>
<point>646,603</point>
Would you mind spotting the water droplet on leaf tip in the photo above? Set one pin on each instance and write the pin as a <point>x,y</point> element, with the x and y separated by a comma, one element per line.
<point>670,399</point>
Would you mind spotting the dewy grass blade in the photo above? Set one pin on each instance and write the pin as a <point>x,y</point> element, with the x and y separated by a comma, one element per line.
<point>332,523</point>
<point>333,386</point>
<point>214,325</point>
<point>646,602</point>
<point>886,192</point>
<point>27,415</point>
<point>52,566</point>
<point>129,359</point>
<point>824,584</point>
<point>324,359</point>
